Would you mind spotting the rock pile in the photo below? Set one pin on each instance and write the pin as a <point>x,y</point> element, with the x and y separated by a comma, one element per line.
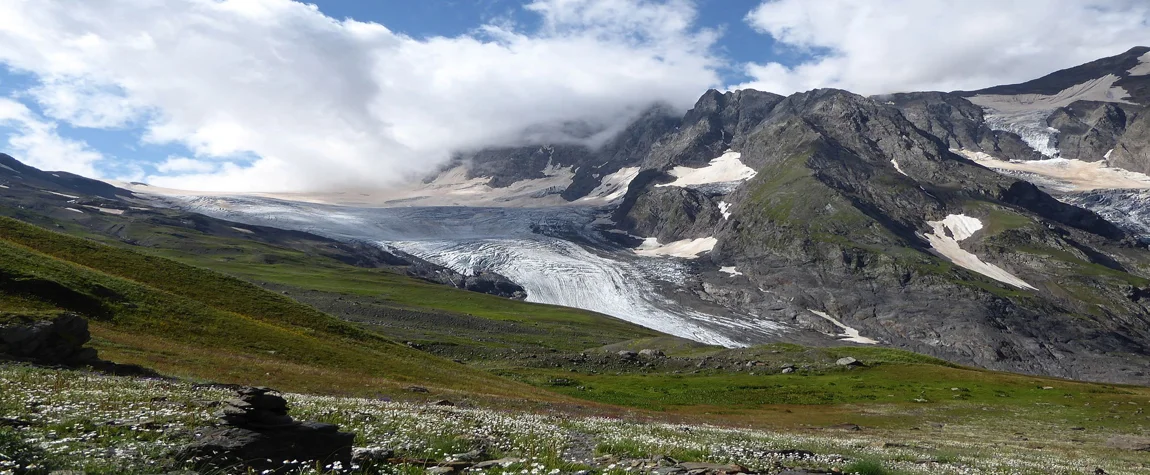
<point>257,408</point>
<point>258,434</point>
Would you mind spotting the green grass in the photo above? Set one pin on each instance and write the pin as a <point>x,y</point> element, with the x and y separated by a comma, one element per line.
<point>193,322</point>
<point>306,265</point>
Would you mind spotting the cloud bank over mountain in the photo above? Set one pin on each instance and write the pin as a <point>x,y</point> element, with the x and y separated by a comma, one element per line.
<point>274,95</point>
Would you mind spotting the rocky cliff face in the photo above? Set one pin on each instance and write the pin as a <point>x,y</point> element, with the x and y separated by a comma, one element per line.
<point>835,221</point>
<point>1132,151</point>
<point>853,218</point>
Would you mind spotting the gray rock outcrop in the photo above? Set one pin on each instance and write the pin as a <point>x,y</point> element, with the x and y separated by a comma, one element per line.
<point>56,339</point>
<point>258,434</point>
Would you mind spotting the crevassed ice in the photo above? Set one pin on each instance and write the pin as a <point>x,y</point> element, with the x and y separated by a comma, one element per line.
<point>1025,114</point>
<point>686,248</point>
<point>727,168</point>
<point>956,227</point>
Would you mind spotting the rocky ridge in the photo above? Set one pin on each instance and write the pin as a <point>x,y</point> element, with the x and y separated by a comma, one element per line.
<point>834,223</point>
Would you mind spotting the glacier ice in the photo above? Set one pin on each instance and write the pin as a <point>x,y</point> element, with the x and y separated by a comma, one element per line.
<point>577,269</point>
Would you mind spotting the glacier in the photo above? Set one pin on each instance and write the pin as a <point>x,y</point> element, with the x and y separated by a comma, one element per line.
<point>556,253</point>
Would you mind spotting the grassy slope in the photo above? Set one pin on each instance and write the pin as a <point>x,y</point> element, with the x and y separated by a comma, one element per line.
<point>882,395</point>
<point>559,327</point>
<point>193,322</point>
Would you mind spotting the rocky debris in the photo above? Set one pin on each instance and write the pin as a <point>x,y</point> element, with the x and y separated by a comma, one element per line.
<point>628,355</point>
<point>503,462</point>
<point>1129,442</point>
<point>700,467</point>
<point>258,434</point>
<point>371,456</point>
<point>52,340</point>
<point>788,370</point>
<point>482,282</point>
<point>651,353</point>
<point>848,361</point>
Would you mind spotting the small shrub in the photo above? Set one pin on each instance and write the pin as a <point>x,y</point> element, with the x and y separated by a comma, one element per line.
<point>866,467</point>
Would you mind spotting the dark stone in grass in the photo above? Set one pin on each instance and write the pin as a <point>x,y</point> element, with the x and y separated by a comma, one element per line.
<point>443,402</point>
<point>226,447</point>
<point>50,340</point>
<point>417,389</point>
<point>13,422</point>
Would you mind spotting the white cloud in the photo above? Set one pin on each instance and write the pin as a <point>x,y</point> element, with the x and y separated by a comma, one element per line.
<point>879,46</point>
<point>185,165</point>
<point>35,141</point>
<point>298,100</point>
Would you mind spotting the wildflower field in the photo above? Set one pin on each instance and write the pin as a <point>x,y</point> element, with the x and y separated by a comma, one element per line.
<point>72,420</point>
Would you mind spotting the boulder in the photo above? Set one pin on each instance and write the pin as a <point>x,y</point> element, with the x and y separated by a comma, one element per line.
<point>848,361</point>
<point>628,355</point>
<point>56,339</point>
<point>651,353</point>
<point>228,447</point>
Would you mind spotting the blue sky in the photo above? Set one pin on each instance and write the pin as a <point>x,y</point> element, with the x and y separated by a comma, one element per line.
<point>247,95</point>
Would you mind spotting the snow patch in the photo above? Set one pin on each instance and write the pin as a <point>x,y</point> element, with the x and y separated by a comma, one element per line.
<point>6,167</point>
<point>66,196</point>
<point>242,230</point>
<point>1143,67</point>
<point>897,168</point>
<point>1025,114</point>
<point>686,248</point>
<point>1107,155</point>
<point>730,270</point>
<point>848,334</point>
<point>956,227</point>
<point>1063,174</point>
<point>725,169</point>
<point>4,186</point>
<point>725,209</point>
<point>106,210</point>
<point>613,186</point>
<point>74,209</point>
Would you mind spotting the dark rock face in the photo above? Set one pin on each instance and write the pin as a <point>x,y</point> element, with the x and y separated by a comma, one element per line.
<point>1132,151</point>
<point>959,123</point>
<point>482,282</point>
<point>56,340</point>
<point>1088,130</point>
<point>258,434</point>
<point>829,223</point>
<point>507,165</point>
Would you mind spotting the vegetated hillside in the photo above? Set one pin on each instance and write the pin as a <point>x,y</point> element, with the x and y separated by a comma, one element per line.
<point>410,299</point>
<point>192,322</point>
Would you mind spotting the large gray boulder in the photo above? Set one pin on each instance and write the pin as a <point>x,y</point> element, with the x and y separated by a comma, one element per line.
<point>52,339</point>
